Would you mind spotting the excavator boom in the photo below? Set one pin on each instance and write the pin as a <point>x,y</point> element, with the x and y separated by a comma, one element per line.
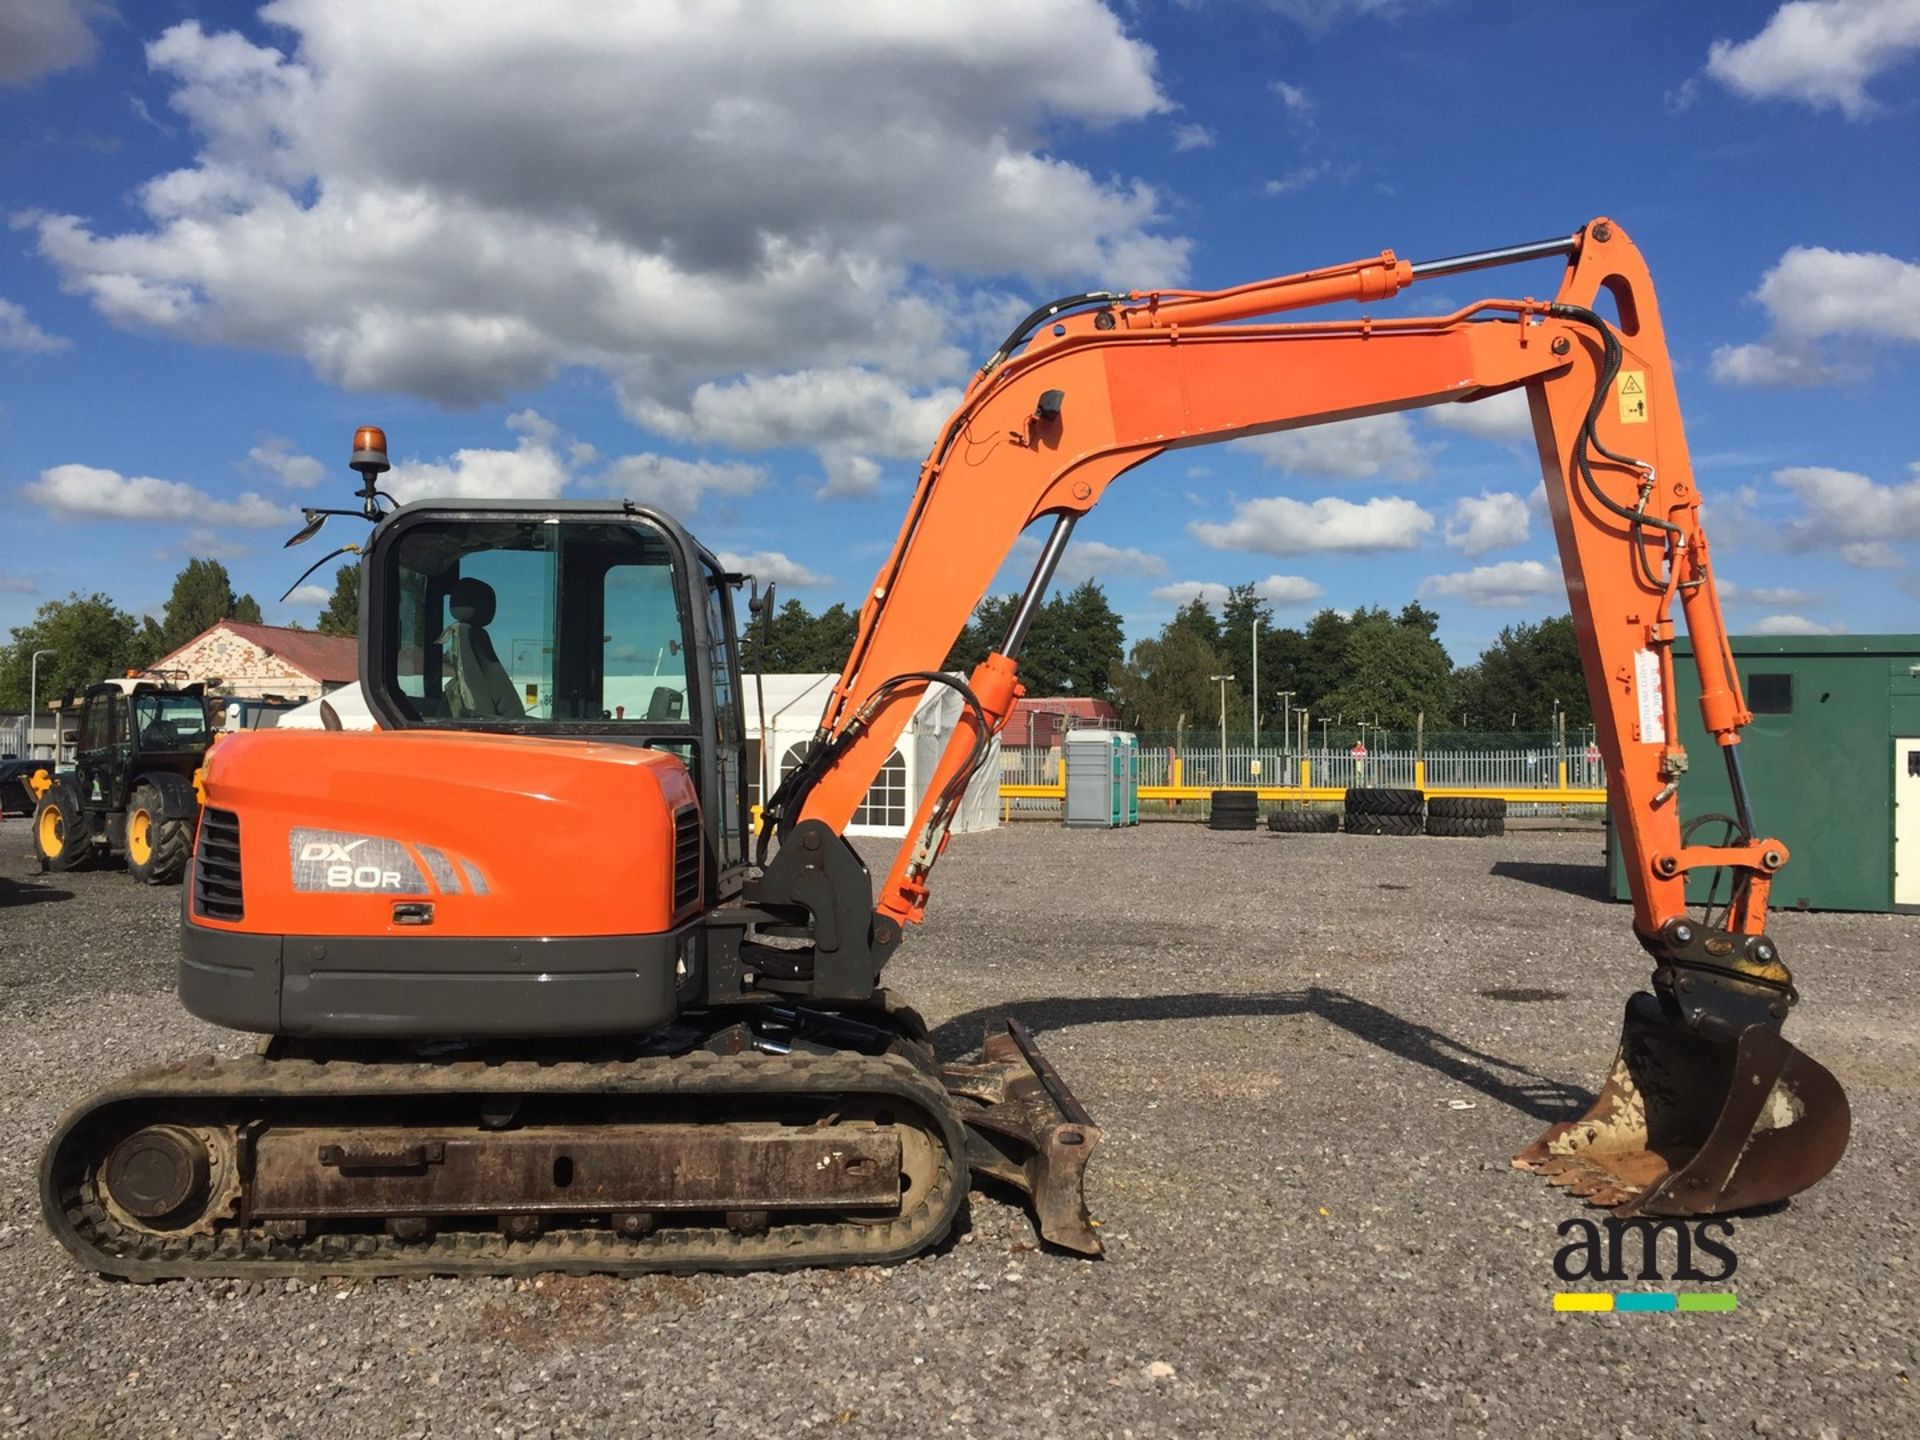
<point>1091,389</point>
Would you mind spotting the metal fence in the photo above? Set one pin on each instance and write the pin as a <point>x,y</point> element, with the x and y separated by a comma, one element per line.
<point>1526,767</point>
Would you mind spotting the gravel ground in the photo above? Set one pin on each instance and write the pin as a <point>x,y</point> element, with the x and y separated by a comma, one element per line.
<point>1305,1236</point>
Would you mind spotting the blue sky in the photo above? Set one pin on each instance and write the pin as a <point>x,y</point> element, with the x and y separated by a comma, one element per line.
<point>735,259</point>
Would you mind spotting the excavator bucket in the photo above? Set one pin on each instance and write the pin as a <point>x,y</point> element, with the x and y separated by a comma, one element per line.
<point>1687,1126</point>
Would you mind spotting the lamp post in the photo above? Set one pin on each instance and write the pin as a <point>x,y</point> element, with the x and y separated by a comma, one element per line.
<point>1256,683</point>
<point>1223,679</point>
<point>1286,711</point>
<point>33,702</point>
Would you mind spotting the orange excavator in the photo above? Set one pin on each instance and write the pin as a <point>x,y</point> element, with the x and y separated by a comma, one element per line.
<point>536,999</point>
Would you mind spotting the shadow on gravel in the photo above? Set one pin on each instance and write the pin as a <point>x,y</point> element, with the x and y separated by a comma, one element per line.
<point>1589,882</point>
<point>12,894</point>
<point>1512,1085</point>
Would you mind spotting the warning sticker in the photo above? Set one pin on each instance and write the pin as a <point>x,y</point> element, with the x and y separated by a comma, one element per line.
<point>1632,390</point>
<point>1646,689</point>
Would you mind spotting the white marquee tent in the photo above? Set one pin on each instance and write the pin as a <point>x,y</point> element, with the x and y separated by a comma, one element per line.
<point>794,703</point>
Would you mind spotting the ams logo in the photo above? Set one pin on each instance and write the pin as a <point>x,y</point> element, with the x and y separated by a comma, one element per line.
<point>1601,1251</point>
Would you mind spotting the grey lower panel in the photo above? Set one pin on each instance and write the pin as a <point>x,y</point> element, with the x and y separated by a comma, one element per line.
<point>429,987</point>
<point>230,979</point>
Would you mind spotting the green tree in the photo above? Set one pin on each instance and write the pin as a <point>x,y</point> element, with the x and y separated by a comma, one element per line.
<point>1321,665</point>
<point>246,610</point>
<point>1394,670</point>
<point>1071,647</point>
<point>202,597</point>
<point>342,613</point>
<point>93,639</point>
<point>1518,677</point>
<point>800,642</point>
<point>1091,641</point>
<point>1167,683</point>
<point>1196,617</point>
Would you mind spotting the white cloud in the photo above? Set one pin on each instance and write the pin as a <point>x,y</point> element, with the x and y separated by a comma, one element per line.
<point>17,332</point>
<point>1191,136</point>
<point>43,37</point>
<point>1511,582</point>
<point>1097,560</point>
<point>1279,590</point>
<point>17,585</point>
<point>1851,511</point>
<point>84,492</point>
<point>294,470</point>
<point>1792,625</point>
<point>545,463</point>
<point>1856,298</point>
<point>1871,555</point>
<point>1503,417</point>
<point>1296,179</point>
<point>1820,52</point>
<point>670,195</point>
<point>1297,100</point>
<point>1491,521</point>
<point>1184,592</point>
<point>1765,366</point>
<point>1319,16</point>
<point>847,415</point>
<point>1734,593</point>
<point>1359,449</point>
<point>308,595</point>
<point>773,567</point>
<point>530,471</point>
<point>1287,589</point>
<point>1283,526</point>
<point>677,486</point>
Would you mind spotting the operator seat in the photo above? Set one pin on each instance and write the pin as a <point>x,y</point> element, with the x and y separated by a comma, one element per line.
<point>480,686</point>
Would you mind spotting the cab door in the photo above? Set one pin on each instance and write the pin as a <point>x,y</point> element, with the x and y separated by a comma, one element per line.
<point>99,760</point>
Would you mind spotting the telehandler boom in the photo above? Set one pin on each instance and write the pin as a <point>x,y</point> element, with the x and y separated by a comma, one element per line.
<point>536,1006</point>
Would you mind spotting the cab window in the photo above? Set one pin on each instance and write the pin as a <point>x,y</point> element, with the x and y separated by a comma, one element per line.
<point>537,622</point>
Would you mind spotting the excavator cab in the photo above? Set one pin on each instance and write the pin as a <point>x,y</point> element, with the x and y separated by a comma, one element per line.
<point>588,620</point>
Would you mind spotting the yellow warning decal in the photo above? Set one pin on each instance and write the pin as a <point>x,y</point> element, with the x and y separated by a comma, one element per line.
<point>1632,390</point>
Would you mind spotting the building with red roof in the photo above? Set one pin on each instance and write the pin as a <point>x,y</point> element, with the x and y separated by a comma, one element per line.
<point>258,661</point>
<point>1038,721</point>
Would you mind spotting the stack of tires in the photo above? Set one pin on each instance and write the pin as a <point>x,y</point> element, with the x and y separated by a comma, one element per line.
<point>1470,816</point>
<point>1303,822</point>
<point>1384,811</point>
<point>1234,810</point>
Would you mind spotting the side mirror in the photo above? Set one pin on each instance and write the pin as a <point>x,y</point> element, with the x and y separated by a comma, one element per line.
<point>760,606</point>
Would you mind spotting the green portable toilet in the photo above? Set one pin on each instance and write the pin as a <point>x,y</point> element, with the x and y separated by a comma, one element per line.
<point>1832,761</point>
<point>1103,778</point>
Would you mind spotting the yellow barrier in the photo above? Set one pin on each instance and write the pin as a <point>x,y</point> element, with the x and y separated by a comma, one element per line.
<point>1307,794</point>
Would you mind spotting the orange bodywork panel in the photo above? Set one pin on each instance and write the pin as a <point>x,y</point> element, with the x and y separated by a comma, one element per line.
<point>506,836</point>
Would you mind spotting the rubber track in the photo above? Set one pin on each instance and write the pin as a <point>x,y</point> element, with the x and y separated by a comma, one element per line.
<point>81,1223</point>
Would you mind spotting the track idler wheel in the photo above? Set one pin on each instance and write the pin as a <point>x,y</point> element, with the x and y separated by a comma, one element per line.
<point>160,1176</point>
<point>1688,1126</point>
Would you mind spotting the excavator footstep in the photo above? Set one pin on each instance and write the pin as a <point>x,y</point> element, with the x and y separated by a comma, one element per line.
<point>1688,1126</point>
<point>1027,1129</point>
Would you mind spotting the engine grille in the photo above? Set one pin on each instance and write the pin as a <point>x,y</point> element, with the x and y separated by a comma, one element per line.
<point>216,867</point>
<point>686,858</point>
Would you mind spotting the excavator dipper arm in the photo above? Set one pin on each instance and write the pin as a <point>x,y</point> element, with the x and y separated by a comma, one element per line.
<point>1706,1108</point>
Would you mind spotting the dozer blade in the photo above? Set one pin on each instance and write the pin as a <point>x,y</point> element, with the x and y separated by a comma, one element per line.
<point>1687,1126</point>
<point>1026,1128</point>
